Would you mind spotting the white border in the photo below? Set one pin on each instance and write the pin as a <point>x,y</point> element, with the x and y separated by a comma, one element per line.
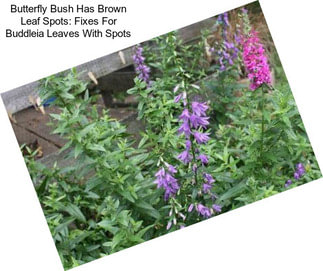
<point>283,232</point>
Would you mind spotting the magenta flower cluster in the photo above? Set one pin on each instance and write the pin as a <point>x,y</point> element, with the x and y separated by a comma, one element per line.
<point>166,180</point>
<point>299,172</point>
<point>141,69</point>
<point>255,61</point>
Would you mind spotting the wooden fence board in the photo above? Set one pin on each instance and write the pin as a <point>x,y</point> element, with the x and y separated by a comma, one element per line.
<point>17,99</point>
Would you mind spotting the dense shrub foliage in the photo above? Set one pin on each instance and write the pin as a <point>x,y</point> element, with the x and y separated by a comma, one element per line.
<point>219,134</point>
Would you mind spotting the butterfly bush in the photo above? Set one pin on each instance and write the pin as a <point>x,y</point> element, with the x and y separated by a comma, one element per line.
<point>141,68</point>
<point>255,61</point>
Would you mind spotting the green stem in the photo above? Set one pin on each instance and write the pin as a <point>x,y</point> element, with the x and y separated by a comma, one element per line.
<point>191,139</point>
<point>262,121</point>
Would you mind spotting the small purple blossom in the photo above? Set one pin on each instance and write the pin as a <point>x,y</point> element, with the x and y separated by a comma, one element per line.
<point>299,172</point>
<point>203,158</point>
<point>203,210</point>
<point>288,183</point>
<point>297,176</point>
<point>300,169</point>
<point>197,121</point>
<point>199,109</point>
<point>188,144</point>
<point>178,98</point>
<point>244,10</point>
<point>182,216</point>
<point>185,115</point>
<point>201,138</point>
<point>209,179</point>
<point>172,169</point>
<point>167,181</point>
<point>206,187</point>
<point>185,128</point>
<point>190,207</point>
<point>194,168</point>
<point>217,208</point>
<point>185,157</point>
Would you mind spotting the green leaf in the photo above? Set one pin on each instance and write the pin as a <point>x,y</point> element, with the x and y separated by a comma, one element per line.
<point>79,238</point>
<point>233,192</point>
<point>108,225</point>
<point>144,230</point>
<point>142,141</point>
<point>67,96</point>
<point>139,158</point>
<point>64,225</point>
<point>41,188</point>
<point>147,209</point>
<point>87,129</point>
<point>74,211</point>
<point>133,90</point>
<point>78,150</point>
<point>127,195</point>
<point>96,147</point>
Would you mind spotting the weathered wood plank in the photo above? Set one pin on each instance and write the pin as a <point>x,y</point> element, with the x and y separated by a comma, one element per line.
<point>26,137</point>
<point>17,99</point>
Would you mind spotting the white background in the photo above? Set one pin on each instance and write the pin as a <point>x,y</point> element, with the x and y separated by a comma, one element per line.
<point>283,232</point>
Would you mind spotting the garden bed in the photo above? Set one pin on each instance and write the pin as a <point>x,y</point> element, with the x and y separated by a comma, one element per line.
<point>198,140</point>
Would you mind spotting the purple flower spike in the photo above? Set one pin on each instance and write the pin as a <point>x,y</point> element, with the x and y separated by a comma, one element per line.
<point>217,208</point>
<point>199,109</point>
<point>288,183</point>
<point>201,138</point>
<point>141,69</point>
